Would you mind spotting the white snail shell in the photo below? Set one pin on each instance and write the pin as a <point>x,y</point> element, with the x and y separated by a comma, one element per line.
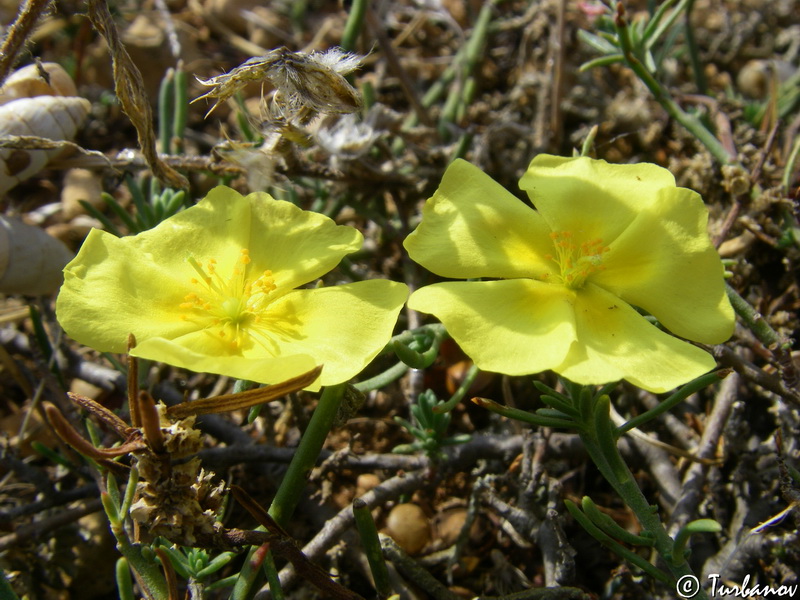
<point>53,117</point>
<point>30,260</point>
<point>28,82</point>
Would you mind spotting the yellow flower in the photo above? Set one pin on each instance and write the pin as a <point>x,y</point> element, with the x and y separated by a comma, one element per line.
<point>568,277</point>
<point>213,289</point>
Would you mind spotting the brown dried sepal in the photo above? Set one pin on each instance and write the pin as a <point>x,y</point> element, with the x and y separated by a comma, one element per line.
<point>176,497</point>
<point>66,432</point>
<point>229,402</point>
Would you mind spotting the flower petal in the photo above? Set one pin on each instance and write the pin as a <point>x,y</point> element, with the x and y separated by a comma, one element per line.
<point>591,198</point>
<point>342,327</point>
<point>665,263</point>
<point>298,246</point>
<point>108,293</point>
<point>473,227</point>
<point>515,326</point>
<point>135,284</point>
<point>616,342</point>
<point>263,369</point>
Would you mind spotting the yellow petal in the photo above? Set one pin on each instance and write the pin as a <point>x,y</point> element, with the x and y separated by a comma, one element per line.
<point>616,342</point>
<point>591,198</point>
<point>112,288</point>
<point>342,327</point>
<point>298,246</point>
<point>514,326</point>
<point>473,227</point>
<point>143,285</point>
<point>264,369</point>
<point>664,263</point>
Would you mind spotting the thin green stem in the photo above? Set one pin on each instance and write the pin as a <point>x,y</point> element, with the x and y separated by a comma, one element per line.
<point>181,102</point>
<point>697,526</point>
<point>149,574</point>
<point>598,440</point>
<point>694,53</point>
<point>588,143</point>
<point>305,458</point>
<point>354,25</point>
<point>166,109</point>
<point>273,580</point>
<point>604,432</point>
<point>554,401</point>
<point>383,379</point>
<point>611,527</point>
<point>124,581</point>
<point>791,164</point>
<point>754,320</point>
<point>294,482</point>
<point>662,96</point>
<point>457,102</point>
<point>611,543</point>
<point>649,37</point>
<point>666,405</point>
<point>368,533</point>
<point>460,392</point>
<point>524,416</point>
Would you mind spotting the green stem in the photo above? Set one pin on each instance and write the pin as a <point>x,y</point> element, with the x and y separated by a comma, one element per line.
<point>273,579</point>
<point>294,482</point>
<point>524,416</point>
<point>460,392</point>
<point>666,405</point>
<point>613,544</point>
<point>383,379</point>
<point>181,101</point>
<point>662,96</point>
<point>599,442</point>
<point>694,53</point>
<point>354,25</point>
<point>791,162</point>
<point>368,533</point>
<point>124,581</point>
<point>588,143</point>
<point>696,526</point>
<point>754,321</point>
<point>473,54</point>
<point>148,573</point>
<point>654,29</point>
<point>166,108</point>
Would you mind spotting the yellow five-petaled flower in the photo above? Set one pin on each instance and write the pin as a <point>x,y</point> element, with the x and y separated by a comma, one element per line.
<point>216,289</point>
<point>571,279</point>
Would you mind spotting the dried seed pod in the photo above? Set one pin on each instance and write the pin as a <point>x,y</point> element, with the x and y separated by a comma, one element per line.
<point>51,117</point>
<point>312,81</point>
<point>178,500</point>
<point>45,79</point>
<point>30,260</point>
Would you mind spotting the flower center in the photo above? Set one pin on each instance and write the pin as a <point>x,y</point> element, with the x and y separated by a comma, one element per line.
<point>232,309</point>
<point>575,262</point>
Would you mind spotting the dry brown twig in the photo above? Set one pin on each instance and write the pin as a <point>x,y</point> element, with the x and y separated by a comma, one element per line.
<point>129,87</point>
<point>19,32</point>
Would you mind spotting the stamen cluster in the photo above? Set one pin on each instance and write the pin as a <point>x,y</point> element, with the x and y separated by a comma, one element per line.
<point>576,262</point>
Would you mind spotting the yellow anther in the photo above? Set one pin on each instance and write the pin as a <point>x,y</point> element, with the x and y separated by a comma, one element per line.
<point>575,262</point>
<point>230,307</point>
